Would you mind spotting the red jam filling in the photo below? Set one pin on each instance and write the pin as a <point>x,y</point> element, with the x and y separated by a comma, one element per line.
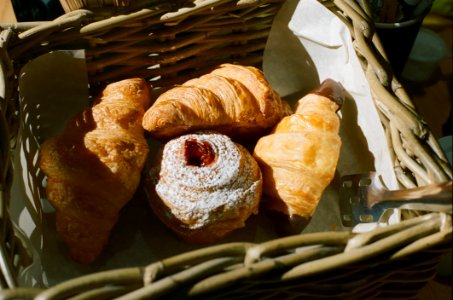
<point>198,153</point>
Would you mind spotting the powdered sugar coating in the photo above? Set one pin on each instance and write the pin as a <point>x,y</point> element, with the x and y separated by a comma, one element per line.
<point>198,195</point>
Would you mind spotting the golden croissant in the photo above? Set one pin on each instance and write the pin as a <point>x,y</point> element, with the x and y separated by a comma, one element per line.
<point>234,100</point>
<point>93,167</point>
<point>298,158</point>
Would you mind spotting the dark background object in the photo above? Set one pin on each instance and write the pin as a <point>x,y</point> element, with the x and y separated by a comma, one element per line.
<point>37,10</point>
<point>397,40</point>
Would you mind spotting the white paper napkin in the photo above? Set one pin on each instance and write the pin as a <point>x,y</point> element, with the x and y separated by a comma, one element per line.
<point>308,44</point>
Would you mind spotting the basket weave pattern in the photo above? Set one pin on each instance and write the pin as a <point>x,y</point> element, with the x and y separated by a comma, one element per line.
<point>170,42</point>
<point>163,43</point>
<point>71,5</point>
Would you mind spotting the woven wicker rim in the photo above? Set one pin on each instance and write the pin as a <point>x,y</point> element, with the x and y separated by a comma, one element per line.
<point>418,159</point>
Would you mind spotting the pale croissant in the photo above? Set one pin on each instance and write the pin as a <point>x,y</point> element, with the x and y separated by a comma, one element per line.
<point>234,100</point>
<point>299,158</point>
<point>93,168</point>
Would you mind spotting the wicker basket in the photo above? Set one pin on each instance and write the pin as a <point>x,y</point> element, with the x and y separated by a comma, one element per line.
<point>187,39</point>
<point>71,5</point>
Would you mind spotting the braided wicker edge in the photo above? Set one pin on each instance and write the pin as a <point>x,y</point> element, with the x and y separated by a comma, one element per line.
<point>290,262</point>
<point>389,96</point>
<point>110,6</point>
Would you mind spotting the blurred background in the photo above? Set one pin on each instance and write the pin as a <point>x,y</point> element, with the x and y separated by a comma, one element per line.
<point>36,10</point>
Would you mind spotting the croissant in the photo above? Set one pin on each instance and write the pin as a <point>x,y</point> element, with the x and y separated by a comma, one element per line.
<point>234,100</point>
<point>298,158</point>
<point>93,167</point>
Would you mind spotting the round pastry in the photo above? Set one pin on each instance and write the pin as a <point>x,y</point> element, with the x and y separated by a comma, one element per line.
<point>206,186</point>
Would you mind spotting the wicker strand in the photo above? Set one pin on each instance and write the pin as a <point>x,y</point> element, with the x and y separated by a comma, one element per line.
<point>173,282</point>
<point>444,234</point>
<point>7,237</point>
<point>363,253</point>
<point>102,25</point>
<point>169,265</point>
<point>20,293</point>
<point>37,35</point>
<point>106,292</point>
<point>362,29</point>
<point>255,254</point>
<point>49,27</point>
<point>92,281</point>
<point>369,237</point>
<point>405,160</point>
<point>7,106</point>
<point>259,269</point>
